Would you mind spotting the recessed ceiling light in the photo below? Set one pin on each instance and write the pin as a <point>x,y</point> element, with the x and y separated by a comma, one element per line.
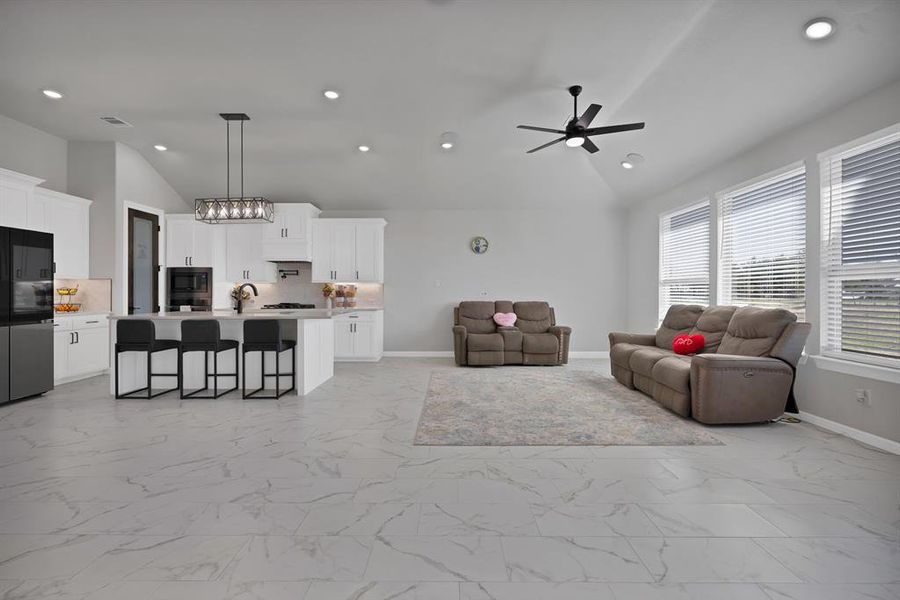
<point>574,142</point>
<point>160,147</point>
<point>53,94</point>
<point>331,94</point>
<point>448,140</point>
<point>631,160</point>
<point>364,148</point>
<point>819,29</point>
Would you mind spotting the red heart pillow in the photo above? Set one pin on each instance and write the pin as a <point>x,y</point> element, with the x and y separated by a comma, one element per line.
<point>688,344</point>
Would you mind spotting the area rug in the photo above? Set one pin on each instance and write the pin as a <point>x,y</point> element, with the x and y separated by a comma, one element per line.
<point>546,406</point>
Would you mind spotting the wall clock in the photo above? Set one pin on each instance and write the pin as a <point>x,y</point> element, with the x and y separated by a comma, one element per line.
<point>479,245</point>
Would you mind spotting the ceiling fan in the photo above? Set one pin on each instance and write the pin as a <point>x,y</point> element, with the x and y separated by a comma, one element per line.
<point>577,132</point>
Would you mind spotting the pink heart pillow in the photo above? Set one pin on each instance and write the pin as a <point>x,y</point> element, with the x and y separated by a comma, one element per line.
<point>505,319</point>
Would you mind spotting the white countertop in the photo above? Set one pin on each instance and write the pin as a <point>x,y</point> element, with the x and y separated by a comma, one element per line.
<point>288,314</point>
<point>86,313</point>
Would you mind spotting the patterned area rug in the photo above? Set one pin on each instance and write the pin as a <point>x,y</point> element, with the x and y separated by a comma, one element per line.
<point>546,406</point>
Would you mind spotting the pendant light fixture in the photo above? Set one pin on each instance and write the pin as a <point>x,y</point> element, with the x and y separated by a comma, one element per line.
<point>242,209</point>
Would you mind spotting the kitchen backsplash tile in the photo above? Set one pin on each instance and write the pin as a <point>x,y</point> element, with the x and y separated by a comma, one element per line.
<point>299,288</point>
<point>94,295</point>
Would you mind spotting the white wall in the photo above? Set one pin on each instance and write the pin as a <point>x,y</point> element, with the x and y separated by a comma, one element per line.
<point>823,393</point>
<point>92,170</point>
<point>570,257</point>
<point>33,152</point>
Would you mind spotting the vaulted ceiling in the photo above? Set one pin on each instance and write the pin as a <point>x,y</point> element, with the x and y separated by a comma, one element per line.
<point>710,78</point>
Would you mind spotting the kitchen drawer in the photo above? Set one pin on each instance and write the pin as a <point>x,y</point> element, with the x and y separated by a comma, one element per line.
<point>89,321</point>
<point>63,324</point>
<point>366,316</point>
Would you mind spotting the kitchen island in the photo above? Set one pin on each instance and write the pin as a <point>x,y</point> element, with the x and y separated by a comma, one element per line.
<point>312,329</point>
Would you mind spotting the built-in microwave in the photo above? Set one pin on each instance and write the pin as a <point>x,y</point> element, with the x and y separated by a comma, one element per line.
<point>189,286</point>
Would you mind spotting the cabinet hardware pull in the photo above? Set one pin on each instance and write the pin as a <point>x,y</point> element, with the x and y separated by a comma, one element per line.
<point>92,321</point>
<point>77,337</point>
<point>71,338</point>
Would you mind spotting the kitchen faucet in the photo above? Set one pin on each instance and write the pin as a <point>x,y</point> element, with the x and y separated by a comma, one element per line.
<point>240,296</point>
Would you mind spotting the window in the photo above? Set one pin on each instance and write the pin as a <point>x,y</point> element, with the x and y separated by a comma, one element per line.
<point>684,257</point>
<point>861,252</point>
<point>762,260</point>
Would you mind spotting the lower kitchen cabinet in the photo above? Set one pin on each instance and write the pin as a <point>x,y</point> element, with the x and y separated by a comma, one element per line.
<point>359,336</point>
<point>80,347</point>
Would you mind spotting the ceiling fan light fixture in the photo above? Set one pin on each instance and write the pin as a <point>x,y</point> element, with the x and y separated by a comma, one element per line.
<point>627,165</point>
<point>631,160</point>
<point>819,28</point>
<point>575,141</point>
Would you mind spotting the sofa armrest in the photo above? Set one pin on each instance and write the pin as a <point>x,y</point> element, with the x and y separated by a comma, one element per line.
<point>564,334</point>
<point>459,344</point>
<point>727,388</point>
<point>641,339</point>
<point>506,328</point>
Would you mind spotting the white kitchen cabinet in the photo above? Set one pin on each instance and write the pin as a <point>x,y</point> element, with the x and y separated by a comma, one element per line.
<point>359,336</point>
<point>188,242</point>
<point>244,261</point>
<point>16,194</point>
<point>289,237</point>
<point>80,347</point>
<point>348,250</point>
<point>68,218</point>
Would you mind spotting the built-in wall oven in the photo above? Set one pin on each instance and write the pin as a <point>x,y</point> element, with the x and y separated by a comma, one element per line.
<point>189,286</point>
<point>26,313</point>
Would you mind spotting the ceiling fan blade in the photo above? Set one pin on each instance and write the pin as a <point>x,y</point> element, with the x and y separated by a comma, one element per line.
<point>544,129</point>
<point>589,145</point>
<point>613,128</point>
<point>556,141</point>
<point>588,116</point>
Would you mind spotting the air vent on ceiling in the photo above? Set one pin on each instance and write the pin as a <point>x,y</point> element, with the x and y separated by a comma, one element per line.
<point>116,122</point>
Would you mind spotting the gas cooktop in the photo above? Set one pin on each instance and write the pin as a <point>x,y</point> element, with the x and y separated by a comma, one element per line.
<point>288,305</point>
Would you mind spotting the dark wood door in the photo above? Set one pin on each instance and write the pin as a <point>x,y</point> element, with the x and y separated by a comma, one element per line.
<point>143,262</point>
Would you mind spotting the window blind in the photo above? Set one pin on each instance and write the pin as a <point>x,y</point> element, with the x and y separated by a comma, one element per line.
<point>861,252</point>
<point>762,260</point>
<point>684,257</point>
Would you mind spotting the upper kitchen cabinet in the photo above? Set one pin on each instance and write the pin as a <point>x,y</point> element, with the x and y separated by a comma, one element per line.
<point>189,243</point>
<point>68,218</point>
<point>244,261</point>
<point>16,194</point>
<point>289,237</point>
<point>348,250</point>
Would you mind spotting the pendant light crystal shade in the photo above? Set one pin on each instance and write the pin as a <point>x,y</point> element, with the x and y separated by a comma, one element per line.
<point>234,210</point>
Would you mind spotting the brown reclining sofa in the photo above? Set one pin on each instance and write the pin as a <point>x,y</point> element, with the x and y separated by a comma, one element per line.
<point>535,339</point>
<point>744,374</point>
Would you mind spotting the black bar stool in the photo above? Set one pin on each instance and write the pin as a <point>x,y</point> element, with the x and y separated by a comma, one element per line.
<point>265,335</point>
<point>140,336</point>
<point>204,335</point>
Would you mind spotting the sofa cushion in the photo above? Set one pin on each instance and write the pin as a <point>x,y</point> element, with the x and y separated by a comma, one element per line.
<point>753,331</point>
<point>642,360</point>
<point>512,339</point>
<point>680,318</point>
<point>712,324</point>
<point>540,343</point>
<point>481,342</point>
<point>673,372</point>
<point>620,354</point>
<point>533,317</point>
<point>477,317</point>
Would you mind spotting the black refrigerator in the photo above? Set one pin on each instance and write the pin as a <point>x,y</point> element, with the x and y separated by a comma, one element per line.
<point>26,313</point>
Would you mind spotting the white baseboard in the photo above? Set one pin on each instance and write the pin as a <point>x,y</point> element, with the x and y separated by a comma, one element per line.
<point>869,439</point>
<point>588,354</point>
<point>449,354</point>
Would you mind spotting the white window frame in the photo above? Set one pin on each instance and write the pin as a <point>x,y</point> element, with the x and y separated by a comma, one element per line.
<point>721,280</point>
<point>857,146</point>
<point>662,219</point>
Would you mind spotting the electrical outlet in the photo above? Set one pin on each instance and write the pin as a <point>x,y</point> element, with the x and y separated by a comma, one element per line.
<point>484,294</point>
<point>863,397</point>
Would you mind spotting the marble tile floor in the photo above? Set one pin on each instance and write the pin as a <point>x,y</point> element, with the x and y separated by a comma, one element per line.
<point>326,498</point>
